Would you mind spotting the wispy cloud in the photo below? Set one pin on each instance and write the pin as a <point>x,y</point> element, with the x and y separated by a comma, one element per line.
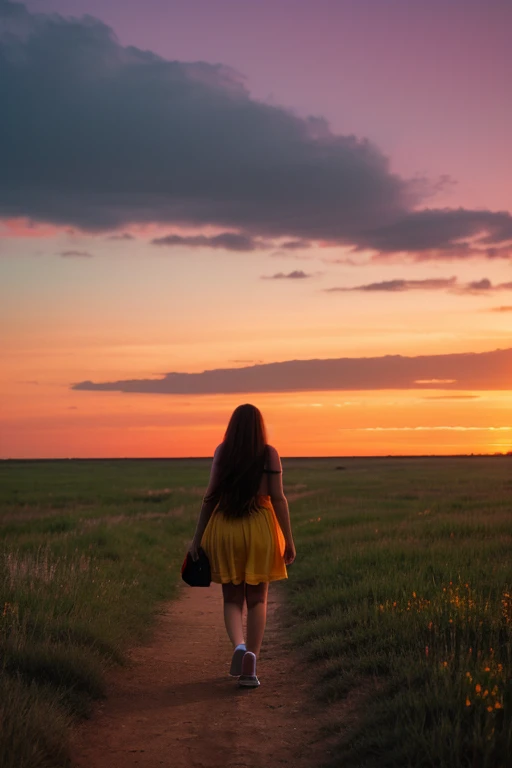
<point>297,274</point>
<point>445,233</point>
<point>451,397</point>
<point>230,241</point>
<point>484,286</point>
<point>506,308</point>
<point>121,236</point>
<point>77,254</point>
<point>466,371</point>
<point>246,362</point>
<point>447,428</point>
<point>451,284</point>
<point>295,245</point>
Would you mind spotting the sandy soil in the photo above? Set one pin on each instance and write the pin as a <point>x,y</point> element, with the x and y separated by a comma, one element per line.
<point>175,704</point>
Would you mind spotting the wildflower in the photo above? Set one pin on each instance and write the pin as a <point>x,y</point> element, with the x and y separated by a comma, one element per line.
<point>468,703</point>
<point>498,705</point>
<point>489,709</point>
<point>414,594</point>
<point>445,663</point>
<point>478,687</point>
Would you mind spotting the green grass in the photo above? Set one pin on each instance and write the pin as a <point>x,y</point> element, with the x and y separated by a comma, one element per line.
<point>402,592</point>
<point>88,550</point>
<point>398,599</point>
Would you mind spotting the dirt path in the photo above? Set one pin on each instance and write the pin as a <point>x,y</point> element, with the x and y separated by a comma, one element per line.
<point>176,706</point>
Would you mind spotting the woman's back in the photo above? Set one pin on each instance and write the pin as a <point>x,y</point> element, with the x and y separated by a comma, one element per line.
<point>270,483</point>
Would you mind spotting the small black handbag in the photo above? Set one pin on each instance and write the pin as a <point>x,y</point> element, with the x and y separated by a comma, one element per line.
<point>196,573</point>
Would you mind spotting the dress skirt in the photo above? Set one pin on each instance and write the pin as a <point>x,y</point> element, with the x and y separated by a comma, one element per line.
<point>249,548</point>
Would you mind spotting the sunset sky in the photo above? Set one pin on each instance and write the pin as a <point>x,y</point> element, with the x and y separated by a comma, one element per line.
<point>196,193</point>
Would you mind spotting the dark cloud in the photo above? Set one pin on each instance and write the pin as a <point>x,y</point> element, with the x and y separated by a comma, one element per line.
<point>431,233</point>
<point>433,284</point>
<point>483,286</point>
<point>295,245</point>
<point>100,135</point>
<point>349,262</point>
<point>467,371</point>
<point>230,241</point>
<point>78,254</point>
<point>297,274</point>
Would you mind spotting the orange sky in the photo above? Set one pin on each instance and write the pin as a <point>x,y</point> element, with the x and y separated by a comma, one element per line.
<point>128,313</point>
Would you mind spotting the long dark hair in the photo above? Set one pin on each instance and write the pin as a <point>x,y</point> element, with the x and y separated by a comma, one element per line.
<point>241,460</point>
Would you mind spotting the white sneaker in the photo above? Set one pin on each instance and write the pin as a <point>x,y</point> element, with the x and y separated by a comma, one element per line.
<point>248,677</point>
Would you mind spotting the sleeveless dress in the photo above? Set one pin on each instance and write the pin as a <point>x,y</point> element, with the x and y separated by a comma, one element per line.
<point>249,548</point>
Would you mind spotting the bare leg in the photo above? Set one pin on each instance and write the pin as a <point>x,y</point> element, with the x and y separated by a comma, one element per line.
<point>256,596</point>
<point>233,606</point>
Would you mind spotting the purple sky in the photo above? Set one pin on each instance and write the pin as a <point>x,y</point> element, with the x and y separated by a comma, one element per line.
<point>427,81</point>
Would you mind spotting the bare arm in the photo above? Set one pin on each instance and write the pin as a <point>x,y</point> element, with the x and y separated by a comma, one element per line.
<point>207,507</point>
<point>279,500</point>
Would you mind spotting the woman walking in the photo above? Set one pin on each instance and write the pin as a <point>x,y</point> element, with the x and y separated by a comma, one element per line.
<point>244,528</point>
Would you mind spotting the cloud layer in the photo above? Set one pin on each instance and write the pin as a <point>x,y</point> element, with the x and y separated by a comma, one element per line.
<point>473,371</point>
<point>100,135</point>
<point>297,274</point>
<point>229,241</point>
<point>473,288</point>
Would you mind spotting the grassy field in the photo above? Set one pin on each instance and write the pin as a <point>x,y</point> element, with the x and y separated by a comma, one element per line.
<point>400,598</point>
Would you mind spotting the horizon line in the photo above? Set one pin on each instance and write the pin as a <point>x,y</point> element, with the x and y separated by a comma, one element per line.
<point>497,454</point>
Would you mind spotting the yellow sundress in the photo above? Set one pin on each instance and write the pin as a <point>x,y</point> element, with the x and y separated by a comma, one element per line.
<point>249,548</point>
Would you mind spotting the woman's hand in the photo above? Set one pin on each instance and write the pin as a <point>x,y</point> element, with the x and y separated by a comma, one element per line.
<point>289,553</point>
<point>194,549</point>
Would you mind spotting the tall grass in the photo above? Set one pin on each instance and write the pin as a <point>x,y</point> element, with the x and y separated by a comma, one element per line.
<point>403,588</point>
<point>87,551</point>
<point>400,598</point>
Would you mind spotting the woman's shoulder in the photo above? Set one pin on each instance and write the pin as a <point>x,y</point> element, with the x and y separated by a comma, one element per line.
<point>272,459</point>
<point>217,452</point>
